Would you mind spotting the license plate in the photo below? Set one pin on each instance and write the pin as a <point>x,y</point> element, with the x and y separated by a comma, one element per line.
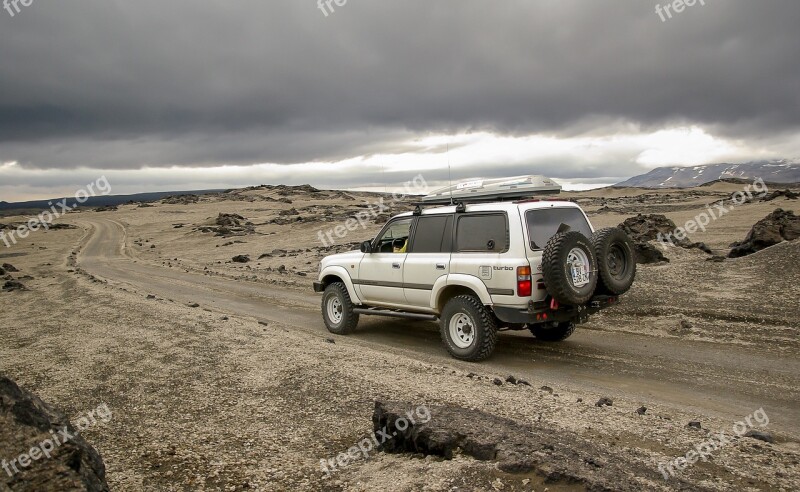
<point>580,275</point>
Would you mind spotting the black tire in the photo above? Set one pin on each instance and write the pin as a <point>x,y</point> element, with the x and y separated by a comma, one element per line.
<point>348,320</point>
<point>557,269</point>
<point>616,260</point>
<point>553,334</point>
<point>480,322</point>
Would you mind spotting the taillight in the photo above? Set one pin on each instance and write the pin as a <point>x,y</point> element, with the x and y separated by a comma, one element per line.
<point>524,282</point>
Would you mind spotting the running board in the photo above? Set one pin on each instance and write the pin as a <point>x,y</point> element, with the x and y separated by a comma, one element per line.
<point>395,314</point>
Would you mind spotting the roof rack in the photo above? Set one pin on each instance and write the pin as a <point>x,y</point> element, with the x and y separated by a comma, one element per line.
<point>493,190</point>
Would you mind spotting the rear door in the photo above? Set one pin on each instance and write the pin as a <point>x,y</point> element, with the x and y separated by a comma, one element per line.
<point>481,242</point>
<point>428,258</point>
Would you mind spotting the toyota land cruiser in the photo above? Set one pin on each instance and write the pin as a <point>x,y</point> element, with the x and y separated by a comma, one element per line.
<point>480,268</point>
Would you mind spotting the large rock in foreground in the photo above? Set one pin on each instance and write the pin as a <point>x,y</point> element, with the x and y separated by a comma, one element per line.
<point>779,226</point>
<point>26,422</point>
<point>558,457</point>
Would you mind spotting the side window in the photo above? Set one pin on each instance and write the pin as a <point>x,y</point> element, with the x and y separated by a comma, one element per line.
<point>433,234</point>
<point>482,233</point>
<point>395,238</point>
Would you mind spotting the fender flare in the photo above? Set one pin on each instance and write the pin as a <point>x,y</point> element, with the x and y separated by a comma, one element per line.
<point>469,281</point>
<point>340,272</point>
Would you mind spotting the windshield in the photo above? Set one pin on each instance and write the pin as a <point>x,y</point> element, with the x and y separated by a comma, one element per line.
<point>544,223</point>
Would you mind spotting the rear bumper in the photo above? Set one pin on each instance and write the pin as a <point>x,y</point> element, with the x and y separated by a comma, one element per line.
<point>319,287</point>
<point>540,312</point>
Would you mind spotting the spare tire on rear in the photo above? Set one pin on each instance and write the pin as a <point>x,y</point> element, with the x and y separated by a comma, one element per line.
<point>569,268</point>
<point>616,260</point>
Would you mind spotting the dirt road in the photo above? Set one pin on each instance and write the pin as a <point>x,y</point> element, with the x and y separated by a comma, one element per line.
<point>723,381</point>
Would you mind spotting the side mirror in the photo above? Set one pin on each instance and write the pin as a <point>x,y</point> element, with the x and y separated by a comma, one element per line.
<point>366,247</point>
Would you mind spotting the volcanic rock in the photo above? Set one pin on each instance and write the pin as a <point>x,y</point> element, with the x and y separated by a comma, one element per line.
<point>780,225</point>
<point>73,465</point>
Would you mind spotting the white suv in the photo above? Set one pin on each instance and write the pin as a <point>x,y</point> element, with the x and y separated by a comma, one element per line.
<point>481,268</point>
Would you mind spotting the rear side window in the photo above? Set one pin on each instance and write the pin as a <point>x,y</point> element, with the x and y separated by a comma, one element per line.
<point>544,223</point>
<point>482,233</point>
<point>433,234</point>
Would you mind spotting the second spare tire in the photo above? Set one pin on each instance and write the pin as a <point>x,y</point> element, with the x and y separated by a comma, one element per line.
<point>616,260</point>
<point>569,268</point>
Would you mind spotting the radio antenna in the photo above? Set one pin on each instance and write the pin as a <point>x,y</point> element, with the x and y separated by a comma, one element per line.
<point>449,173</point>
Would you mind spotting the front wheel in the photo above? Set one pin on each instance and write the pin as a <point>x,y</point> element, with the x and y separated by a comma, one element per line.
<point>337,309</point>
<point>468,329</point>
<point>549,333</point>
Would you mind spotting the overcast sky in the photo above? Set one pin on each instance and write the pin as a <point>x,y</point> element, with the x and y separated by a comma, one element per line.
<point>188,94</point>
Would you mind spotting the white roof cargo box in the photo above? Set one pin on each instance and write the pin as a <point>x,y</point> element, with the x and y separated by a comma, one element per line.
<point>496,189</point>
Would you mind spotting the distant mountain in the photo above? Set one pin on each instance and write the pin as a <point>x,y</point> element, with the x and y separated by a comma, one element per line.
<point>102,200</point>
<point>783,171</point>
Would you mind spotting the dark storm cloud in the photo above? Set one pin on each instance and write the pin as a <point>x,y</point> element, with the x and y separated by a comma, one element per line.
<point>123,84</point>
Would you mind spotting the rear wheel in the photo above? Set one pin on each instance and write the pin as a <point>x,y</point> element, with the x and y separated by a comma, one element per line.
<point>550,333</point>
<point>337,309</point>
<point>468,329</point>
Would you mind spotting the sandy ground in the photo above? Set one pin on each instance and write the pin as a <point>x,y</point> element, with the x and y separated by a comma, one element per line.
<point>245,390</point>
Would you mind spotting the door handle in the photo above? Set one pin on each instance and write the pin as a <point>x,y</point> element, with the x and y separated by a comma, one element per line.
<point>441,266</point>
<point>396,265</point>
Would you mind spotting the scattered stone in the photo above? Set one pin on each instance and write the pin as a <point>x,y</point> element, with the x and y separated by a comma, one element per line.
<point>263,323</point>
<point>224,318</point>
<point>647,227</point>
<point>180,200</point>
<point>761,436</point>
<point>73,465</point>
<point>647,254</point>
<point>776,227</point>
<point>472,375</point>
<point>109,208</point>
<point>330,340</point>
<point>151,296</point>
<point>10,268</point>
<point>498,382</point>
<point>604,402</point>
<point>13,285</point>
<point>2,272</point>
<point>694,425</point>
<point>716,259</point>
<point>485,437</point>
<point>241,259</point>
<point>641,410</point>
<point>546,389</point>
<point>686,325</point>
<point>788,194</point>
<point>511,379</point>
<point>643,229</point>
<point>282,269</point>
<point>193,305</point>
